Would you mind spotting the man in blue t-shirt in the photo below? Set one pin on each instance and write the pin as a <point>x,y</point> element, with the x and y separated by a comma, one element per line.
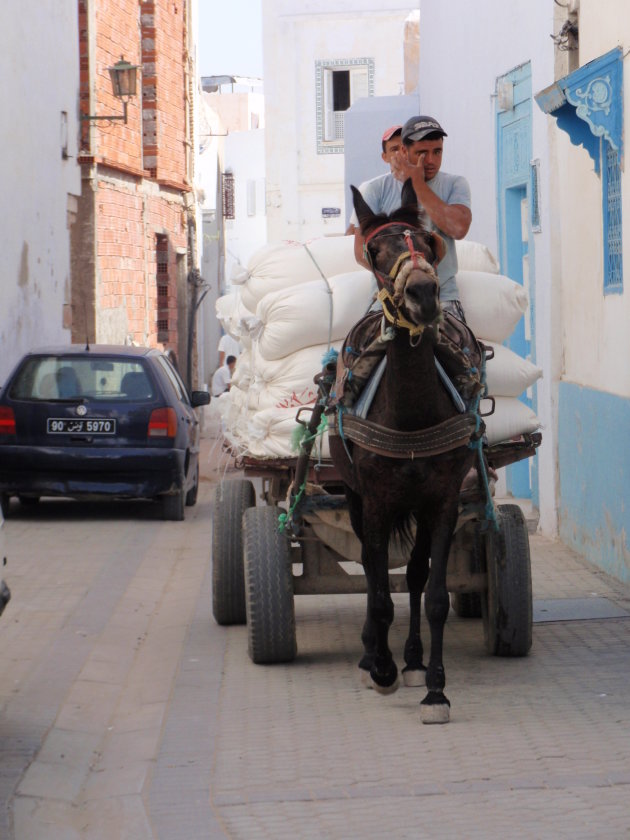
<point>445,198</point>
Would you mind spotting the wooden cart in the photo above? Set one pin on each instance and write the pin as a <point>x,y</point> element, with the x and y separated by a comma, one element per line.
<point>258,567</point>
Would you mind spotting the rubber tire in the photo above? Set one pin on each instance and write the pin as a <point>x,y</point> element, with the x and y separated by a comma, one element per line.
<point>191,496</point>
<point>173,506</point>
<point>28,501</point>
<point>269,598</point>
<point>5,504</point>
<point>466,604</point>
<point>232,499</point>
<point>507,607</point>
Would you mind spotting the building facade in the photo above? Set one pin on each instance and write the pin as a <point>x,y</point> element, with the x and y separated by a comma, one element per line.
<point>319,60</point>
<point>586,101</point>
<point>536,123</point>
<point>135,244</point>
<point>40,179</point>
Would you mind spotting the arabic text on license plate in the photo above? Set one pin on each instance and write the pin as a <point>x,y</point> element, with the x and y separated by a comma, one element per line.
<point>83,426</point>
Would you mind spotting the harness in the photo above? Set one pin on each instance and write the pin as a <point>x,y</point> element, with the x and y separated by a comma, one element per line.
<point>461,430</point>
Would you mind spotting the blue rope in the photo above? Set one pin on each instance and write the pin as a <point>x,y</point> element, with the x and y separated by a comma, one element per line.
<point>489,510</point>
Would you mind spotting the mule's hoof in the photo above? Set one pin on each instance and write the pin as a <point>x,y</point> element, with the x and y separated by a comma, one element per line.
<point>414,677</point>
<point>435,708</point>
<point>384,689</point>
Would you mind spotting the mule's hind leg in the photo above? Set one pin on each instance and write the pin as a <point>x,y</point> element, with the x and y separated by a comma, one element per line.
<point>368,634</point>
<point>414,672</point>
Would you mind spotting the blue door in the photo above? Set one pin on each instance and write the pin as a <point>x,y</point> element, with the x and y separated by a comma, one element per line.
<point>514,143</point>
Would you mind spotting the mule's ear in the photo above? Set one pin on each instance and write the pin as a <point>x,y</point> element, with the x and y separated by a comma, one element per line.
<point>362,208</point>
<point>408,197</point>
<point>439,246</point>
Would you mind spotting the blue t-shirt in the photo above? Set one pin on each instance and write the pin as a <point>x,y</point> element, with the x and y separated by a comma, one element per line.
<point>383,195</point>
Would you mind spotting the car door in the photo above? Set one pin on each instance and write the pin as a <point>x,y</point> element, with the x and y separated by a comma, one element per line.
<point>186,414</point>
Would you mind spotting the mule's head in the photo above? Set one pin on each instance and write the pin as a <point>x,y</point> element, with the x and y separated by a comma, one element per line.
<point>403,255</point>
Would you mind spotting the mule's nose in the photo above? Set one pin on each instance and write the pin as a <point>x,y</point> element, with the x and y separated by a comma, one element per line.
<point>422,291</point>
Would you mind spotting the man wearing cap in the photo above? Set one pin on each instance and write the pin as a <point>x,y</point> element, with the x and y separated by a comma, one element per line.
<point>383,192</point>
<point>445,198</point>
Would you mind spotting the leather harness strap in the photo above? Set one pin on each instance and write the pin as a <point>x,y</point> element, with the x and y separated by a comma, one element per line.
<point>423,443</point>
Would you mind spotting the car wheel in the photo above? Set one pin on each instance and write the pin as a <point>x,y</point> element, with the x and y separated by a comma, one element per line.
<point>5,504</point>
<point>191,496</point>
<point>173,506</point>
<point>28,500</point>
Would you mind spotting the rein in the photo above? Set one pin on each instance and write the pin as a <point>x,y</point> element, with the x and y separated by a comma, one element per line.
<point>391,310</point>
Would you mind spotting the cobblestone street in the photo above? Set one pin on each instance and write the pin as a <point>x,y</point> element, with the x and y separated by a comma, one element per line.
<point>126,712</point>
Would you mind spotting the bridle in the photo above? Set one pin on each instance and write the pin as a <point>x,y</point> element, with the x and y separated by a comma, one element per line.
<point>391,284</point>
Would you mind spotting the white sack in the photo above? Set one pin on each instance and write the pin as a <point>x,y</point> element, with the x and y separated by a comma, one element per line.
<point>271,433</point>
<point>235,318</point>
<point>293,371</point>
<point>511,418</point>
<point>300,316</point>
<point>493,303</point>
<point>283,264</point>
<point>509,374</point>
<point>473,256</point>
<point>242,374</point>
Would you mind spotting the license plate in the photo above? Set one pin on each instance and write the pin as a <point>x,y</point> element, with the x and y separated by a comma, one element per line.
<point>83,426</point>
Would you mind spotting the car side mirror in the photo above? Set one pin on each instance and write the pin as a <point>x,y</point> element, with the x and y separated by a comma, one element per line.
<point>198,398</point>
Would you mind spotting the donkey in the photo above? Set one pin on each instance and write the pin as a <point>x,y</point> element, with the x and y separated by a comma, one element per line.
<point>406,461</point>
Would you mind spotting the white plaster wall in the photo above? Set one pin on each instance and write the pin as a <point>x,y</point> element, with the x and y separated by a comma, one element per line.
<point>596,334</point>
<point>296,34</point>
<point>490,38</point>
<point>40,79</point>
<point>245,157</point>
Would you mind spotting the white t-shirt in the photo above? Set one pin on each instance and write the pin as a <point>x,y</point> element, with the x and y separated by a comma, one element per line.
<point>229,346</point>
<point>220,380</point>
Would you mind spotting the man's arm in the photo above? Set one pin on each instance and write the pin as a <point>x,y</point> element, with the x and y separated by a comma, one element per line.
<point>452,219</point>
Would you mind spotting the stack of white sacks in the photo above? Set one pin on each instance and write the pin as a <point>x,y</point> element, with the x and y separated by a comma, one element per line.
<point>295,301</point>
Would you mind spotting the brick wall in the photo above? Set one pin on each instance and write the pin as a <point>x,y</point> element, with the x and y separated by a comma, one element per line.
<point>163,89</point>
<point>134,175</point>
<point>128,222</point>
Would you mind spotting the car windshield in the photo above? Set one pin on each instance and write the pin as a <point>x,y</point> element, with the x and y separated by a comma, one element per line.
<point>49,378</point>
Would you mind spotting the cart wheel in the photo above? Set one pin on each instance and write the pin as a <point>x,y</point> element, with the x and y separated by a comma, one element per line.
<point>232,499</point>
<point>269,588</point>
<point>466,604</point>
<point>507,607</point>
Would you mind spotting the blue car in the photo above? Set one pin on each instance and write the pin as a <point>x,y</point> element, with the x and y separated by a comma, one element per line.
<point>101,421</point>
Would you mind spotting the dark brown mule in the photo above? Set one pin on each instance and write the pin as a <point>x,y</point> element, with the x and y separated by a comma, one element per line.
<point>385,494</point>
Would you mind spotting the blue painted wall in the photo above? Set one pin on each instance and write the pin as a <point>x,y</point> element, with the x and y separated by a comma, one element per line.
<point>594,459</point>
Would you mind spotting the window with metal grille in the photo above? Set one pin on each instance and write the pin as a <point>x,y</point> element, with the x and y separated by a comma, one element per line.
<point>613,252</point>
<point>162,284</point>
<point>228,196</point>
<point>338,85</point>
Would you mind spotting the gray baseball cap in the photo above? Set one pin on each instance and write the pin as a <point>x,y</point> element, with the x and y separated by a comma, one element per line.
<point>417,128</point>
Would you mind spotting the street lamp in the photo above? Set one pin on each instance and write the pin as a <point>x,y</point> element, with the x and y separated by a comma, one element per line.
<point>123,76</point>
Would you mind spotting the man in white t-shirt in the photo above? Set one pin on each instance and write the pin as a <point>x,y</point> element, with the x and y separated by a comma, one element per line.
<point>228,346</point>
<point>222,377</point>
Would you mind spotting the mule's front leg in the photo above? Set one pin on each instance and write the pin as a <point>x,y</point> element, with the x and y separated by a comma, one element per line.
<point>380,611</point>
<point>414,673</point>
<point>435,708</point>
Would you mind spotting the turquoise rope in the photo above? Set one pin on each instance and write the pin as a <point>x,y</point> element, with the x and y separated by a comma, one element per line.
<point>284,519</point>
<point>489,511</point>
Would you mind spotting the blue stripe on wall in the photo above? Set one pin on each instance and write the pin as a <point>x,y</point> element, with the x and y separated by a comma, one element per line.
<point>594,470</point>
